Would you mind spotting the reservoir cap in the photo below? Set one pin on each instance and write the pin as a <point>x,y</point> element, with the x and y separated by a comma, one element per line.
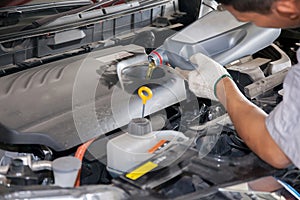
<point>139,126</point>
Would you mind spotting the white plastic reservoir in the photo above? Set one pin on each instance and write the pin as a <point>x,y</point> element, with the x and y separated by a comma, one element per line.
<point>137,145</point>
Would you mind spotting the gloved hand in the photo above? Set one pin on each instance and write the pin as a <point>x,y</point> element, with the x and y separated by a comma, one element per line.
<point>204,79</point>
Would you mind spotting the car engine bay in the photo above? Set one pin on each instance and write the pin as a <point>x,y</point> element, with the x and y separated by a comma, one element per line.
<point>74,93</point>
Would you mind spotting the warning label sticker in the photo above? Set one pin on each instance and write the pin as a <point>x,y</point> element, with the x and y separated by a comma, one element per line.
<point>142,170</point>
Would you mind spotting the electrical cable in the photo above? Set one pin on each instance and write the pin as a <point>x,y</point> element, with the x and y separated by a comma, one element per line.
<point>80,154</point>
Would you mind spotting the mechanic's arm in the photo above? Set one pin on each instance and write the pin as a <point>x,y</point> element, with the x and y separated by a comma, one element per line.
<point>249,121</point>
<point>211,80</point>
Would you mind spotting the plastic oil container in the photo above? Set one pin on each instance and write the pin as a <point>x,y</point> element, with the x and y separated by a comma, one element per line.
<point>137,145</point>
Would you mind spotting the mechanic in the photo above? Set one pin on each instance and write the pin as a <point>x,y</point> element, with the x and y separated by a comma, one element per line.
<point>276,137</point>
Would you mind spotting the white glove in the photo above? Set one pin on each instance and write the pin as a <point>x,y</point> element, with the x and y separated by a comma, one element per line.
<point>204,79</point>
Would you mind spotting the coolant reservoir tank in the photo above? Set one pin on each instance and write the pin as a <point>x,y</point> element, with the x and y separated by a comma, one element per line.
<point>137,145</point>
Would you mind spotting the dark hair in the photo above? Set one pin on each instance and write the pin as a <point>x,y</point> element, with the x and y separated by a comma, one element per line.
<point>259,6</point>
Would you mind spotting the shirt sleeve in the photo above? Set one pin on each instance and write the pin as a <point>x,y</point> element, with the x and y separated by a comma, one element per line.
<point>283,123</point>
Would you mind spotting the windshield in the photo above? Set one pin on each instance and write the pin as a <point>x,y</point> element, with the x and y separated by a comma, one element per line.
<point>15,19</point>
<point>23,21</point>
<point>7,3</point>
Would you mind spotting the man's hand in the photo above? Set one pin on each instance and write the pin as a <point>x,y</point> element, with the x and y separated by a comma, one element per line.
<point>204,79</point>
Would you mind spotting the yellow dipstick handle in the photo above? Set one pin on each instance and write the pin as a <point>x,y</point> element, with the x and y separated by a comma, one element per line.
<point>145,94</point>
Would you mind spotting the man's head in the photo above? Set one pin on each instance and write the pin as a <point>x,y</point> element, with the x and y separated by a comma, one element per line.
<point>265,13</point>
<point>260,6</point>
